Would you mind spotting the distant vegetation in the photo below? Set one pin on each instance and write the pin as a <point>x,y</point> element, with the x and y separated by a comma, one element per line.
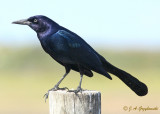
<point>35,58</point>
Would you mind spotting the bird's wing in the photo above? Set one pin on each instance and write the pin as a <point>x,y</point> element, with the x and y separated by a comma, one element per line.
<point>79,50</point>
<point>72,49</point>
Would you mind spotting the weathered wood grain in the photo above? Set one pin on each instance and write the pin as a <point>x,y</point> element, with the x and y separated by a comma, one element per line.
<point>63,102</point>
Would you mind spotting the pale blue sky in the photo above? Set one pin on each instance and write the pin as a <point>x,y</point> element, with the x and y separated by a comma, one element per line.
<point>112,23</point>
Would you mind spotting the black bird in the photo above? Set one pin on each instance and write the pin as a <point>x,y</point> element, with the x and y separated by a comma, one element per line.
<point>71,51</point>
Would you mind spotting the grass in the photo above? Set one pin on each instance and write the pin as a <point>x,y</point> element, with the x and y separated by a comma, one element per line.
<point>26,74</point>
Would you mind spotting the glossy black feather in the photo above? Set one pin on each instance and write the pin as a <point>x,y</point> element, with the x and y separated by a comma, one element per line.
<point>71,51</point>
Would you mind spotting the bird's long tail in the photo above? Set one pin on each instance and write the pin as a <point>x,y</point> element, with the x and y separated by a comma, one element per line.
<point>133,83</point>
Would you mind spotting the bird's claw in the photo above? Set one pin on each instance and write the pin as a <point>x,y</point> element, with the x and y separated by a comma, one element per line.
<point>46,96</point>
<point>79,89</point>
<point>53,89</point>
<point>64,88</point>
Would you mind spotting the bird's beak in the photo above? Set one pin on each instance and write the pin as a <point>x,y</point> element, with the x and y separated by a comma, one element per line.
<point>22,22</point>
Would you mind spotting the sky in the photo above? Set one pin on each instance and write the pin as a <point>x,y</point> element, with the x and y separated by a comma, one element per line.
<point>113,23</point>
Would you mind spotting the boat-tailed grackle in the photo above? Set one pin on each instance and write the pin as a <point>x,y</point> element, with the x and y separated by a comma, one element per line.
<point>71,51</point>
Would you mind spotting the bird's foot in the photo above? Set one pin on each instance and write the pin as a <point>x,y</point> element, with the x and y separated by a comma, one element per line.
<point>79,89</point>
<point>54,89</point>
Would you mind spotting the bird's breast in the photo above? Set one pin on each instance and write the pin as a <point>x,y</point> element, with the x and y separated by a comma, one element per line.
<point>57,51</point>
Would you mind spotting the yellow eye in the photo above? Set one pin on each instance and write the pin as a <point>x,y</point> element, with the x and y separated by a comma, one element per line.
<point>35,20</point>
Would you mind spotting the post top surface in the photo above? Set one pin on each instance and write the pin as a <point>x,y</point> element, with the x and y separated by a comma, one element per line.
<point>83,92</point>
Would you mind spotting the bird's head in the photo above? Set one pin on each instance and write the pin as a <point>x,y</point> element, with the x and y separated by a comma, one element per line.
<point>38,23</point>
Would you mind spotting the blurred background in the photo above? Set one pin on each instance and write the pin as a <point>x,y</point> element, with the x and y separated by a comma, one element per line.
<point>126,33</point>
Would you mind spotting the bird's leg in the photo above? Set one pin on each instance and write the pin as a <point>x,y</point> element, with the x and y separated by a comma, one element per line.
<point>79,89</point>
<point>56,87</point>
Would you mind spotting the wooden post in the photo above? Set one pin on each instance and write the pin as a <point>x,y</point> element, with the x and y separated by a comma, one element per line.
<point>63,102</point>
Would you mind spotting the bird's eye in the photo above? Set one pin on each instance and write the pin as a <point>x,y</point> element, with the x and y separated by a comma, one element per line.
<point>35,20</point>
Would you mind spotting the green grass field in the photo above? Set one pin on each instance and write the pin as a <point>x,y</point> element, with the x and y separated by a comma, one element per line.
<point>27,73</point>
